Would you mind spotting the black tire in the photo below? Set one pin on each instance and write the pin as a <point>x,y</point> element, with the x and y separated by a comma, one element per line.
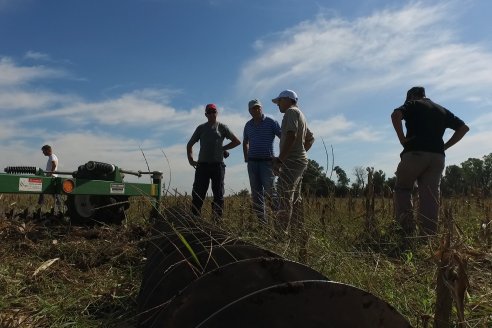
<point>112,209</point>
<point>89,209</point>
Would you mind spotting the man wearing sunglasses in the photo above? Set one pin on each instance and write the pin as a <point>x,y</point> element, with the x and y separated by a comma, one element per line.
<point>210,165</point>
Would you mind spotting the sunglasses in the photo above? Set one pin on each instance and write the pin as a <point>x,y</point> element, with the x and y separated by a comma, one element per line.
<point>210,112</point>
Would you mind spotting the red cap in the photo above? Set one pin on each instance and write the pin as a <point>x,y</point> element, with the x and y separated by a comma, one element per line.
<point>210,106</point>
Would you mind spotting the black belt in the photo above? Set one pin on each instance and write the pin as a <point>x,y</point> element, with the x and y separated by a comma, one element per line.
<point>210,163</point>
<point>253,159</point>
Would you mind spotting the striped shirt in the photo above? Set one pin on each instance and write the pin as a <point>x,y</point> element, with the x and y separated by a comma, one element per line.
<point>260,137</point>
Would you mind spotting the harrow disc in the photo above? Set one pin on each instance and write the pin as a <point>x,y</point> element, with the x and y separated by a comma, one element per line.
<point>228,283</point>
<point>308,303</point>
<point>164,281</point>
<point>209,281</point>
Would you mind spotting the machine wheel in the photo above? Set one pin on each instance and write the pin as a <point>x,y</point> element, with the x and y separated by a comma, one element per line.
<point>89,209</point>
<point>81,208</point>
<point>113,209</point>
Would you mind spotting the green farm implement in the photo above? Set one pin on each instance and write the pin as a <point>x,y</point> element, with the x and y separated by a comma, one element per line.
<point>94,192</point>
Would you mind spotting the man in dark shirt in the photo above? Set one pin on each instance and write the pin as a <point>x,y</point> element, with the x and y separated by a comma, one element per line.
<point>210,165</point>
<point>422,158</point>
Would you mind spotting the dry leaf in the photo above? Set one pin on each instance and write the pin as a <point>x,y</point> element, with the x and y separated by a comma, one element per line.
<point>45,266</point>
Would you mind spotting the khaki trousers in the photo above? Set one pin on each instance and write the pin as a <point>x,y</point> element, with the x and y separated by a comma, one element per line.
<point>290,200</point>
<point>426,169</point>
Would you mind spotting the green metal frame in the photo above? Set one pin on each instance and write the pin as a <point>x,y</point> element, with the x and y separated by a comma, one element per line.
<point>40,184</point>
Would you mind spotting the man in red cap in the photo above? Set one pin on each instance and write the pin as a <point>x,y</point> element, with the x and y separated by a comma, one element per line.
<point>210,165</point>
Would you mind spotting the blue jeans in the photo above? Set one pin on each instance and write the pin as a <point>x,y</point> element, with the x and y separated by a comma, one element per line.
<point>261,180</point>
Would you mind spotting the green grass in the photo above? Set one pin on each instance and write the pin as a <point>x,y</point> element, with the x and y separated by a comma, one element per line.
<point>96,280</point>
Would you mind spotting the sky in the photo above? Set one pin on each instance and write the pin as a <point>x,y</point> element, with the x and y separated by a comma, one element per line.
<point>126,81</point>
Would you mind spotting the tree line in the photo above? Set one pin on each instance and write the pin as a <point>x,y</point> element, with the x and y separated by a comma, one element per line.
<point>471,177</point>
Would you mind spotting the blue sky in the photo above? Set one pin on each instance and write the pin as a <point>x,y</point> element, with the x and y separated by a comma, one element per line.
<point>100,80</point>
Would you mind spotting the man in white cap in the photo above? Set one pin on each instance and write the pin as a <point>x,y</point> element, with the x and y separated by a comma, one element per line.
<point>296,139</point>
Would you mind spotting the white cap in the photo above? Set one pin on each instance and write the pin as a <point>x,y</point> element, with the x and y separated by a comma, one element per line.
<point>286,94</point>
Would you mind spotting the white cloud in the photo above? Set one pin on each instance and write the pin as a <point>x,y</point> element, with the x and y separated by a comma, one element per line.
<point>334,60</point>
<point>149,107</point>
<point>330,47</point>
<point>37,55</point>
<point>16,99</point>
<point>339,129</point>
<point>14,75</point>
<point>7,130</point>
<point>128,109</point>
<point>472,145</point>
<point>331,127</point>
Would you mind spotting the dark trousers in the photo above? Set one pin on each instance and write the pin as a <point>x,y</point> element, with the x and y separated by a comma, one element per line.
<point>203,174</point>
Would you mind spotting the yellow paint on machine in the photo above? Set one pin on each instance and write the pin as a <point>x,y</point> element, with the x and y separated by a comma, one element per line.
<point>153,190</point>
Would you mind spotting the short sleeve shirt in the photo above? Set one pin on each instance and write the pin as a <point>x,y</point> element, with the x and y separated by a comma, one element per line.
<point>426,122</point>
<point>52,158</point>
<point>211,137</point>
<point>295,121</point>
<point>260,136</point>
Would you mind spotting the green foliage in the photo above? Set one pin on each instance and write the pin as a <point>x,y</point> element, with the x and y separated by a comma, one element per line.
<point>315,182</point>
<point>243,193</point>
<point>453,182</point>
<point>379,181</point>
<point>473,176</point>
<point>343,181</point>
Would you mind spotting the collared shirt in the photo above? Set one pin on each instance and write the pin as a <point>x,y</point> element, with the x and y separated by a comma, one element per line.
<point>260,137</point>
<point>425,122</point>
<point>211,137</point>
<point>295,121</point>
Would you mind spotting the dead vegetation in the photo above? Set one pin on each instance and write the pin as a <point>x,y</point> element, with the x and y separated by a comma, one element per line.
<point>53,274</point>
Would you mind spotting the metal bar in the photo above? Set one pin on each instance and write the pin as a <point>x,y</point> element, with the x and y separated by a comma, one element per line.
<point>138,174</point>
<point>61,172</point>
<point>157,180</point>
<point>33,184</point>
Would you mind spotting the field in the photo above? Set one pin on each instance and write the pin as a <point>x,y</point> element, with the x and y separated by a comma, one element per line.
<point>53,274</point>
